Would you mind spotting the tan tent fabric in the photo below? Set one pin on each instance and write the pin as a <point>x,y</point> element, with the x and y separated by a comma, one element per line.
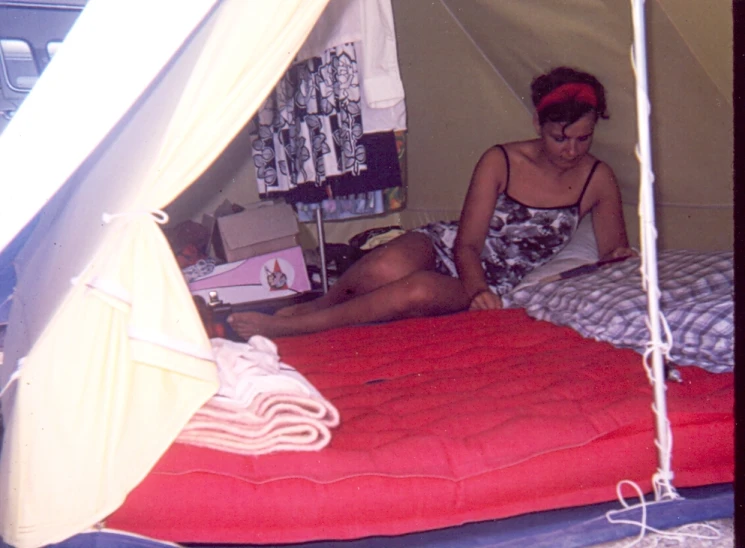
<point>124,361</point>
<point>467,66</point>
<point>706,29</point>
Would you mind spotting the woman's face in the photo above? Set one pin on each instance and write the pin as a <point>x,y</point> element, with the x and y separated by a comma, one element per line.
<point>566,145</point>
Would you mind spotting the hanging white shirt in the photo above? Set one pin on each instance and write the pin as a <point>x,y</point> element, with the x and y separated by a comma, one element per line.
<point>369,24</point>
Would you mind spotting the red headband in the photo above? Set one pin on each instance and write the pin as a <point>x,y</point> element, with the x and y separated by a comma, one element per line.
<point>582,93</point>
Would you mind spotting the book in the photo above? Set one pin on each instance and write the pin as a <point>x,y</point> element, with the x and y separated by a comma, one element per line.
<point>580,270</point>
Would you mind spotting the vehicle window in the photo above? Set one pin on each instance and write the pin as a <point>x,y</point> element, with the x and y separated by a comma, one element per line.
<point>18,64</point>
<point>30,34</point>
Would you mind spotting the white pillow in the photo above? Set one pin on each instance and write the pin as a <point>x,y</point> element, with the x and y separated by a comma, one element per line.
<point>581,249</point>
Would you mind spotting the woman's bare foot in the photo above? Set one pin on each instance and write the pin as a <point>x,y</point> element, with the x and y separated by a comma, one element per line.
<point>247,324</point>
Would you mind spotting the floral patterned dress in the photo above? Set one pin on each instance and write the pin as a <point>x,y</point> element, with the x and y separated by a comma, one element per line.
<point>520,238</point>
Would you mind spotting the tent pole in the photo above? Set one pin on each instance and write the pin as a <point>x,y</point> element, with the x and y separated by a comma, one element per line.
<point>663,478</point>
<point>322,248</point>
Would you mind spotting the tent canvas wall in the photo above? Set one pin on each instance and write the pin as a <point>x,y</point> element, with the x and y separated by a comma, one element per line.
<point>487,78</point>
<point>463,62</point>
<point>466,66</point>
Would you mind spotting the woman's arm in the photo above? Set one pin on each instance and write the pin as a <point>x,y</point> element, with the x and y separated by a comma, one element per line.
<point>487,182</point>
<point>607,216</point>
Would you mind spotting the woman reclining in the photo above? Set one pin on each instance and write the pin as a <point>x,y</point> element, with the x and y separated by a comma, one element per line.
<point>523,204</point>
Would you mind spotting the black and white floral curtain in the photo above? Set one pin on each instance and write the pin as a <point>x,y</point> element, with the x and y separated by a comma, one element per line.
<point>310,128</point>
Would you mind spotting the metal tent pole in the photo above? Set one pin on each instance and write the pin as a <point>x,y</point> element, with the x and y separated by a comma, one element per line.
<point>322,248</point>
<point>664,475</point>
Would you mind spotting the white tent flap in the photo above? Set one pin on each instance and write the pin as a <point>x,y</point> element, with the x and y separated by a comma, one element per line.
<point>82,95</point>
<point>124,361</point>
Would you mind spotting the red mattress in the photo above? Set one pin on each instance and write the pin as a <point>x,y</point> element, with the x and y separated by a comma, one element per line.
<point>446,420</point>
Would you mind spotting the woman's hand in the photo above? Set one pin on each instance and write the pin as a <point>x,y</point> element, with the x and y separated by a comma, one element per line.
<point>620,253</point>
<point>485,300</point>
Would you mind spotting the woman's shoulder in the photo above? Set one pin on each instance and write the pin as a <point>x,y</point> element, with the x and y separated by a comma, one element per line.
<point>495,154</point>
<point>601,183</point>
<point>601,170</point>
<point>527,147</point>
<point>522,151</point>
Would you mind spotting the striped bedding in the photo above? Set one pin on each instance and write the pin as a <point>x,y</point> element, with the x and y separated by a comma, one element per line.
<point>610,305</point>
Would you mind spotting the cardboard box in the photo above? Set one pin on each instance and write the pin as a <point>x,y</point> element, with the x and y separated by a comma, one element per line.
<point>270,276</point>
<point>261,228</point>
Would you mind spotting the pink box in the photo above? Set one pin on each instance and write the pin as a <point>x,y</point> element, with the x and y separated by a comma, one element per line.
<point>273,275</point>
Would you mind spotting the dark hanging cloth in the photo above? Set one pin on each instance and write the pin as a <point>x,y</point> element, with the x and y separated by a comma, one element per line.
<point>308,138</point>
<point>383,171</point>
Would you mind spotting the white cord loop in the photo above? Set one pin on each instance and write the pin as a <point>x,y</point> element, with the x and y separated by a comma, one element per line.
<point>678,535</point>
<point>157,215</point>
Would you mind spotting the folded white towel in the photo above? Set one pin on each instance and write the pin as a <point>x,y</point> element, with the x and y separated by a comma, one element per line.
<point>246,370</point>
<point>263,405</point>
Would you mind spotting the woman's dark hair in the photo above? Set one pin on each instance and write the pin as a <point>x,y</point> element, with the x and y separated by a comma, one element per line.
<point>566,112</point>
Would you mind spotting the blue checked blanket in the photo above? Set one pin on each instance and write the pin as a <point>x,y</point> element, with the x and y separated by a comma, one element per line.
<point>696,299</point>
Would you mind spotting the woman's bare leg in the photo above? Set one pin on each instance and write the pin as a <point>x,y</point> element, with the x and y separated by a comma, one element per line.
<point>422,293</point>
<point>389,262</point>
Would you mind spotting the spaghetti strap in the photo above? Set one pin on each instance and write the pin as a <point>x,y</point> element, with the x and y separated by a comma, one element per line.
<point>507,161</point>
<point>587,182</point>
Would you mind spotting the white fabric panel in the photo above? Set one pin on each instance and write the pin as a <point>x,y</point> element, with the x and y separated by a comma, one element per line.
<point>381,83</point>
<point>340,23</point>
<point>82,94</point>
<point>378,117</point>
<point>124,361</point>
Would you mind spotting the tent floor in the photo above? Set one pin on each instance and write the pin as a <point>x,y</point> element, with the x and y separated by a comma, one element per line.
<point>578,527</point>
